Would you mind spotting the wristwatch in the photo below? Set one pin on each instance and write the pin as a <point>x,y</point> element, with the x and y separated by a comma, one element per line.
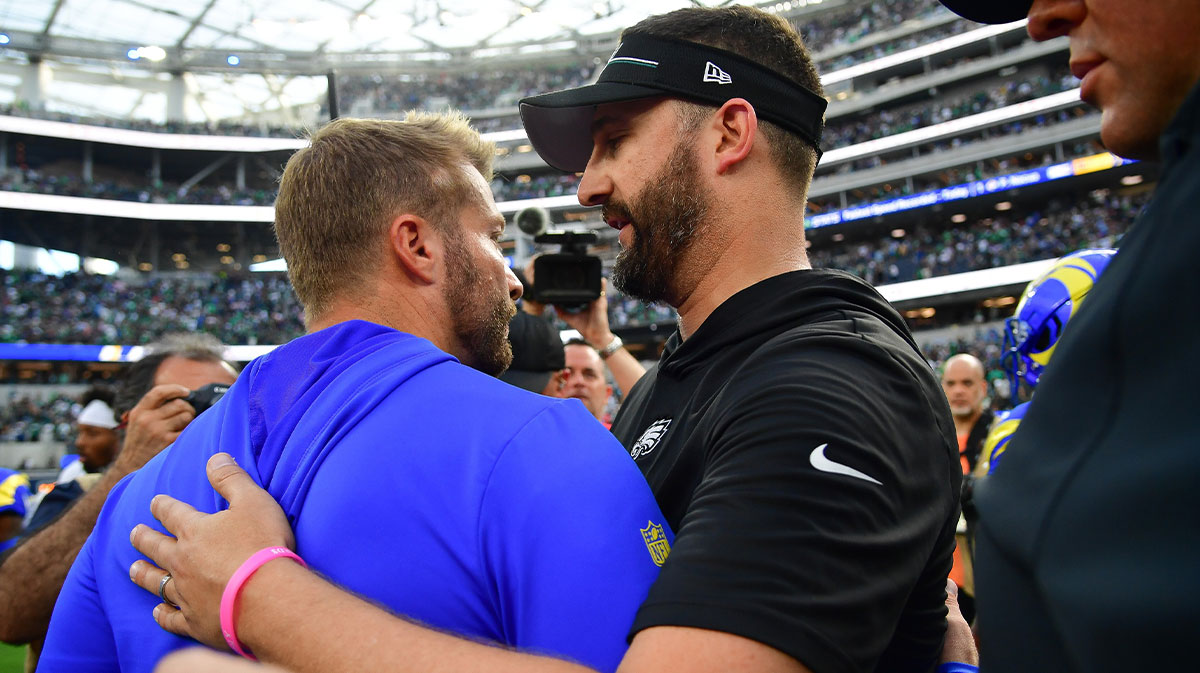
<point>613,346</point>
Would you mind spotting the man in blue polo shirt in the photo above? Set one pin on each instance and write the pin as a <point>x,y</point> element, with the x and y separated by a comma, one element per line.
<point>410,477</point>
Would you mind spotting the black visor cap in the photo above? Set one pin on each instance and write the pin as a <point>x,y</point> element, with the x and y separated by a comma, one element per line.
<point>559,124</point>
<point>990,11</point>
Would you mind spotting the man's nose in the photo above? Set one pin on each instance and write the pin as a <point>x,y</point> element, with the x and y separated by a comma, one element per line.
<point>595,186</point>
<point>514,286</point>
<point>1050,18</point>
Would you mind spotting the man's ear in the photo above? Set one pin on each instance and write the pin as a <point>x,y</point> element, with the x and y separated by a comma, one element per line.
<point>736,124</point>
<point>416,246</point>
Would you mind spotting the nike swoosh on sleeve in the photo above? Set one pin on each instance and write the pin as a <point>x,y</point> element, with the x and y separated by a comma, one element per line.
<point>819,461</point>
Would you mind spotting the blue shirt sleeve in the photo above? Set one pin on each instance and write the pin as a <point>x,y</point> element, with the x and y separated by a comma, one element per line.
<point>572,538</point>
<point>102,621</point>
<point>80,638</point>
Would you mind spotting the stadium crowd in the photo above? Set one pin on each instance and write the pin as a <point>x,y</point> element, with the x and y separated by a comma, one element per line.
<point>843,29</point>
<point>851,131</point>
<point>555,184</point>
<point>954,175</point>
<point>1003,240</point>
<point>82,308</point>
<point>34,418</point>
<point>92,309</point>
<point>1007,129</point>
<point>544,185</point>
<point>472,90</point>
<point>65,184</point>
<point>49,418</point>
<point>532,187</point>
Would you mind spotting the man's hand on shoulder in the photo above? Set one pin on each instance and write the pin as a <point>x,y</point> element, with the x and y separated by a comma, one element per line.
<point>680,648</point>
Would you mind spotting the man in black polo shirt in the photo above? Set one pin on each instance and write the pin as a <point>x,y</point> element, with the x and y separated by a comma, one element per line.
<point>793,435</point>
<point>1087,545</point>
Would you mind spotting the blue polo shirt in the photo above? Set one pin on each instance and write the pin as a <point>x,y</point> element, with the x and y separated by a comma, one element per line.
<point>424,485</point>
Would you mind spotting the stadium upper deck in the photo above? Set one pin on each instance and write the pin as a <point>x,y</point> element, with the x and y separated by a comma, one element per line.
<point>934,123</point>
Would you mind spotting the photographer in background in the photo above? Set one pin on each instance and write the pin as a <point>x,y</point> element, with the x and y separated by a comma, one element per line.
<point>592,323</point>
<point>152,413</point>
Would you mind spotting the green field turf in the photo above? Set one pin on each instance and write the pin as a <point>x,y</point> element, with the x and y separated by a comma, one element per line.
<point>12,658</point>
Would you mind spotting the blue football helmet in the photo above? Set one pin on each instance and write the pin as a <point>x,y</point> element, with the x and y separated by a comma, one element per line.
<point>1046,306</point>
<point>1005,425</point>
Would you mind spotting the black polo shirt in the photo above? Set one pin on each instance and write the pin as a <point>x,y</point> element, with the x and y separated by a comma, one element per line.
<point>1088,543</point>
<point>803,451</point>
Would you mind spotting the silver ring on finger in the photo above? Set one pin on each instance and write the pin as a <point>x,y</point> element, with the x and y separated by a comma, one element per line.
<point>162,591</point>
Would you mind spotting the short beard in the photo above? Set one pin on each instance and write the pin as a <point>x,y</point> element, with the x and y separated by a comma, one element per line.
<point>479,311</point>
<point>964,412</point>
<point>667,216</point>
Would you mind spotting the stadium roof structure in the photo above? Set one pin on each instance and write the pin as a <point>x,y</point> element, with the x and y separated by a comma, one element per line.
<point>268,60</point>
<point>315,36</point>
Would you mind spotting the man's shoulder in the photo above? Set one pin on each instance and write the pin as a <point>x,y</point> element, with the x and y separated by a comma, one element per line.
<point>465,410</point>
<point>472,393</point>
<point>854,342</point>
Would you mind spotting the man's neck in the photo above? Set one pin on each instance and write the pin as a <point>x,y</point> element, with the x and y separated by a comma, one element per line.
<point>964,424</point>
<point>404,313</point>
<point>749,256</point>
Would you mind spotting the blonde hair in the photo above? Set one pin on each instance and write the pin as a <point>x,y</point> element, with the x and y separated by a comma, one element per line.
<point>339,195</point>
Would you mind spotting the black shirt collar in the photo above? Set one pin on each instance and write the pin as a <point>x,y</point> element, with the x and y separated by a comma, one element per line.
<point>1182,134</point>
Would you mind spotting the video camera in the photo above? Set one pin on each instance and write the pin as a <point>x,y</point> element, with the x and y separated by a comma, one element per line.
<point>205,396</point>
<point>569,278</point>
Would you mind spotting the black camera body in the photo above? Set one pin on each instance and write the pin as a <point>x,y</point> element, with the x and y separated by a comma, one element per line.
<point>569,278</point>
<point>205,396</point>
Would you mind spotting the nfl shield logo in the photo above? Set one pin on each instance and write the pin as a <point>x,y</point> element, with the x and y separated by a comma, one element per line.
<point>656,542</point>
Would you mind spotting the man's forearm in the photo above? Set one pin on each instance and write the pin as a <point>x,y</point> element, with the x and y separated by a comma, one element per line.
<point>33,573</point>
<point>293,618</point>
<point>626,370</point>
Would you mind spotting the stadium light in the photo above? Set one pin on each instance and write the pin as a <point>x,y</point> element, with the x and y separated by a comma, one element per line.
<point>100,266</point>
<point>153,53</point>
<point>150,53</point>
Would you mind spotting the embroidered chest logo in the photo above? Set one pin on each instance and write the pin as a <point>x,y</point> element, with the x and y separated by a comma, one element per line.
<point>650,438</point>
<point>656,542</point>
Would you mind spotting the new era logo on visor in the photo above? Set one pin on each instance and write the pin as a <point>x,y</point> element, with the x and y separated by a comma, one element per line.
<point>714,74</point>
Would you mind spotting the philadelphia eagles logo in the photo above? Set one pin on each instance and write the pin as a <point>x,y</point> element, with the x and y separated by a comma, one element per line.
<point>650,438</point>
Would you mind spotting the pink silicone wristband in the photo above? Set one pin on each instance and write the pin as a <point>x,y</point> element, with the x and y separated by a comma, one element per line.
<point>234,587</point>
